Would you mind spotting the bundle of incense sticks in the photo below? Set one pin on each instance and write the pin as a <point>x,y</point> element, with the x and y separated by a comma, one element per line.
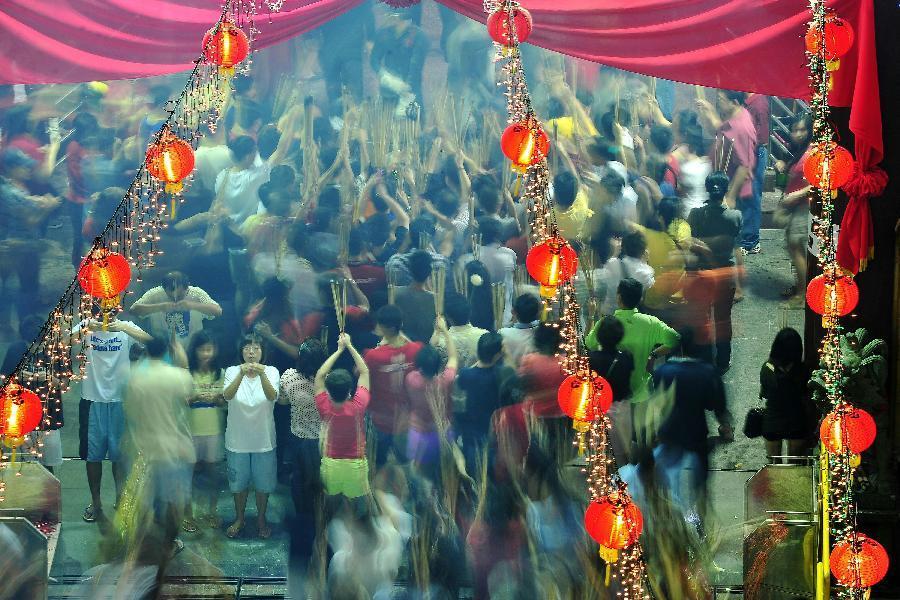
<point>498,298</point>
<point>339,296</point>
<point>521,278</point>
<point>391,286</point>
<point>476,246</point>
<point>723,160</point>
<point>438,283</point>
<point>343,242</point>
<point>461,281</point>
<point>698,92</point>
<point>587,270</point>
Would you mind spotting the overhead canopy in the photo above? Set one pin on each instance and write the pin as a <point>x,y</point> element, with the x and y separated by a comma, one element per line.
<point>750,45</point>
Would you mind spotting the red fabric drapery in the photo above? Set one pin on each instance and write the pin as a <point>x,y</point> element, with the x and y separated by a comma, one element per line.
<point>751,45</point>
<point>71,41</point>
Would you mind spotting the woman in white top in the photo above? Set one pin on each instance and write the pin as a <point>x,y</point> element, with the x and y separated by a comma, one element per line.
<point>689,161</point>
<point>251,390</point>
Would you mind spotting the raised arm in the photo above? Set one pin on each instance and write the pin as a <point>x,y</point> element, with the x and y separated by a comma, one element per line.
<point>361,367</point>
<point>131,330</point>
<point>326,367</point>
<point>452,356</point>
<point>287,136</point>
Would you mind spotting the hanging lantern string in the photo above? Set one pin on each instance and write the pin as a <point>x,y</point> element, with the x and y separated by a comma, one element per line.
<point>119,228</point>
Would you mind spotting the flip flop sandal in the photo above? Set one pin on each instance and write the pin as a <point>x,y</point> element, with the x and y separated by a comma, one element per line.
<point>265,532</point>
<point>234,530</point>
<point>90,513</point>
<point>212,521</point>
<point>189,525</point>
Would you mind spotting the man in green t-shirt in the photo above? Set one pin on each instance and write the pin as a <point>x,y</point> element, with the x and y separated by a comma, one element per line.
<point>647,339</point>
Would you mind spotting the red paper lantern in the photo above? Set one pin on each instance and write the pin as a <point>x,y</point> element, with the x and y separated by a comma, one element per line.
<point>838,36</point>
<point>104,274</point>
<point>828,162</point>
<point>614,521</point>
<point>226,46</point>
<point>859,563</point>
<point>551,264</point>
<point>525,143</point>
<point>501,21</point>
<point>20,411</point>
<point>825,298</point>
<point>170,159</point>
<point>847,429</point>
<point>584,397</point>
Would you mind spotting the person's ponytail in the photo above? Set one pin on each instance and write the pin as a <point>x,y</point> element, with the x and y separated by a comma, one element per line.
<point>717,186</point>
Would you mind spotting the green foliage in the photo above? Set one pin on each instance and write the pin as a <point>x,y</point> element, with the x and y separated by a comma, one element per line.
<point>862,372</point>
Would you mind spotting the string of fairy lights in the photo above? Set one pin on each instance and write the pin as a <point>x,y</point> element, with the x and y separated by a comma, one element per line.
<point>611,519</point>
<point>856,561</point>
<point>128,244</point>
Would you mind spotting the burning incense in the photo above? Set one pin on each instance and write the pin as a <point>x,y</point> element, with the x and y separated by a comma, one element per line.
<point>339,297</point>
<point>498,298</point>
<point>391,286</point>
<point>460,281</point>
<point>438,283</point>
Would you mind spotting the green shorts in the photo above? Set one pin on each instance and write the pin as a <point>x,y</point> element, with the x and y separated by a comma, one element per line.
<point>347,476</point>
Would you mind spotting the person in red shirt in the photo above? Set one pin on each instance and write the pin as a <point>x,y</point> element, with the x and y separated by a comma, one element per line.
<point>430,407</point>
<point>344,468</point>
<point>541,376</point>
<point>758,107</point>
<point>273,319</point>
<point>368,274</point>
<point>388,365</point>
<point>734,152</point>
<point>541,373</point>
<point>794,203</point>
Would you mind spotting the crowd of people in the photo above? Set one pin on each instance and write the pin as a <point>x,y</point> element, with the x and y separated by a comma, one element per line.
<point>418,436</point>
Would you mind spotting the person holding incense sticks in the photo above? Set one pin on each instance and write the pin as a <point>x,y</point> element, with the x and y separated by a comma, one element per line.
<point>734,153</point>
<point>344,470</point>
<point>430,406</point>
<point>415,301</point>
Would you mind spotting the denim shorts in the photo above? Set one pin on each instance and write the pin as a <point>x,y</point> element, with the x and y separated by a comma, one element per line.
<point>171,485</point>
<point>261,467</point>
<point>209,448</point>
<point>100,430</point>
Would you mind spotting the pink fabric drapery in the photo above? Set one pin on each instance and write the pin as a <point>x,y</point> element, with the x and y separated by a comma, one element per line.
<point>71,41</point>
<point>751,45</point>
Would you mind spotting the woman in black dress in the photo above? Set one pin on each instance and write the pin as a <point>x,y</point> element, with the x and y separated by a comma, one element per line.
<point>783,385</point>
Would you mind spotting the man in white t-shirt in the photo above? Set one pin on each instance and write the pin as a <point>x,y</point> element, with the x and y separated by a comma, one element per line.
<point>176,306</point>
<point>237,187</point>
<point>518,340</point>
<point>101,420</point>
<point>632,263</point>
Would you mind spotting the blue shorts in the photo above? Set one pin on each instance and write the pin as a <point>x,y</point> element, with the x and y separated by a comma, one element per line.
<point>100,427</point>
<point>171,485</point>
<point>261,467</point>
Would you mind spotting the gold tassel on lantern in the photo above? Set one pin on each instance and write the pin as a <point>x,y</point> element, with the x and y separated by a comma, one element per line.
<point>609,556</point>
<point>107,305</point>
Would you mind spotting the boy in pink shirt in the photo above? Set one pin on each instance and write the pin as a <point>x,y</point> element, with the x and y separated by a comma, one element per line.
<point>344,469</point>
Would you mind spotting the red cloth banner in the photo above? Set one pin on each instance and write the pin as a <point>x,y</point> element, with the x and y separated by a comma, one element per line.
<point>72,41</point>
